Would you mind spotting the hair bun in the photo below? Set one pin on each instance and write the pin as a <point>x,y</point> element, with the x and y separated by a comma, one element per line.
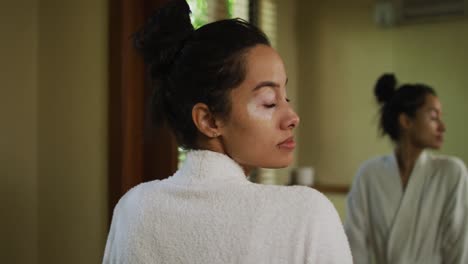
<point>163,36</point>
<point>385,87</point>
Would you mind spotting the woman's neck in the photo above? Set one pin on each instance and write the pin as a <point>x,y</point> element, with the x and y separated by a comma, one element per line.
<point>407,155</point>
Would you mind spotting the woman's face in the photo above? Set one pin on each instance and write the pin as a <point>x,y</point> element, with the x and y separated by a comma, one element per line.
<point>427,128</point>
<point>259,129</point>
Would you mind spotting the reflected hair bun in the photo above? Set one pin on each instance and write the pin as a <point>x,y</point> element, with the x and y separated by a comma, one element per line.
<point>385,88</point>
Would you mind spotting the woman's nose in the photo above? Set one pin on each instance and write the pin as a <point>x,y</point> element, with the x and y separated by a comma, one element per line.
<point>442,126</point>
<point>291,121</point>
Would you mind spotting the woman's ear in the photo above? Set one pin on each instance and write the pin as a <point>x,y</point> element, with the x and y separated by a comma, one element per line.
<point>405,121</point>
<point>204,120</point>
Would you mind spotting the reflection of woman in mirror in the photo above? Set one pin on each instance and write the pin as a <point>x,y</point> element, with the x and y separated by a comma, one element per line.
<point>222,90</point>
<point>410,206</point>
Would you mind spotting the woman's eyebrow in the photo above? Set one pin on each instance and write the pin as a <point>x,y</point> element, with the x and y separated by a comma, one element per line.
<point>433,109</point>
<point>268,84</point>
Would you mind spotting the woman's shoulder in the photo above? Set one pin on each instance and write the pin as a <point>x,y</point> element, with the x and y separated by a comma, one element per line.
<point>296,197</point>
<point>376,162</point>
<point>374,167</point>
<point>450,166</point>
<point>136,194</point>
<point>288,191</point>
<point>447,161</point>
<point>314,204</point>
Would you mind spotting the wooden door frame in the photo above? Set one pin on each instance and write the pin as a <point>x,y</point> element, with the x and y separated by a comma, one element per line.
<point>137,152</point>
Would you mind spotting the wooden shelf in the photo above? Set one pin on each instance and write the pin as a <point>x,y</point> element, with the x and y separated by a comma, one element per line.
<point>332,188</point>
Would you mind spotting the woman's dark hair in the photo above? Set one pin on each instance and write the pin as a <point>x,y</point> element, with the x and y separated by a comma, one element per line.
<point>407,99</point>
<point>189,66</point>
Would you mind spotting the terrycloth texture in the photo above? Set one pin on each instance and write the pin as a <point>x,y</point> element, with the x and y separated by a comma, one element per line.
<point>426,223</point>
<point>208,212</point>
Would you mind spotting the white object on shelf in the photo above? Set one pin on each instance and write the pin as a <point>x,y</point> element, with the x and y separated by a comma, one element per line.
<point>305,176</point>
<point>266,176</point>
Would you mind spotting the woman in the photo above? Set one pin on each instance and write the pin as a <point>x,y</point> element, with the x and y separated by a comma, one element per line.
<point>222,90</point>
<point>410,206</point>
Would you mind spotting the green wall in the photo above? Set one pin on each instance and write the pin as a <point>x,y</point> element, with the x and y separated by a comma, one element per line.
<point>53,146</point>
<point>73,48</point>
<point>18,126</point>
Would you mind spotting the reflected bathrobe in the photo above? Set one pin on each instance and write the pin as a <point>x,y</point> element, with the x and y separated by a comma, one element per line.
<point>425,223</point>
<point>208,212</point>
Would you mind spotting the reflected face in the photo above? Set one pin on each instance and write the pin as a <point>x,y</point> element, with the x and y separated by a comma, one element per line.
<point>259,130</point>
<point>427,128</point>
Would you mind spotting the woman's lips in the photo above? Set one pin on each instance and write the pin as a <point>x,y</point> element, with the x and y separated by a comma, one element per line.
<point>289,144</point>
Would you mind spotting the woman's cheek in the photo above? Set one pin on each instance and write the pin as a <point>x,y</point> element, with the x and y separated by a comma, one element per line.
<point>257,110</point>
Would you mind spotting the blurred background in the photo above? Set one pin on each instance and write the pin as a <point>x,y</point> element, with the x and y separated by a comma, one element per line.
<point>54,105</point>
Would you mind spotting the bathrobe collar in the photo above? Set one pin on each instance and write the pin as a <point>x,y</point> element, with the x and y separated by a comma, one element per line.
<point>204,166</point>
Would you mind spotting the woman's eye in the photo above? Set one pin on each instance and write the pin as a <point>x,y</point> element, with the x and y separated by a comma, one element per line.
<point>269,105</point>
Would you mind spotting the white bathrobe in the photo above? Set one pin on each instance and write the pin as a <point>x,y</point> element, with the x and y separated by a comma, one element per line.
<point>426,223</point>
<point>208,212</point>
